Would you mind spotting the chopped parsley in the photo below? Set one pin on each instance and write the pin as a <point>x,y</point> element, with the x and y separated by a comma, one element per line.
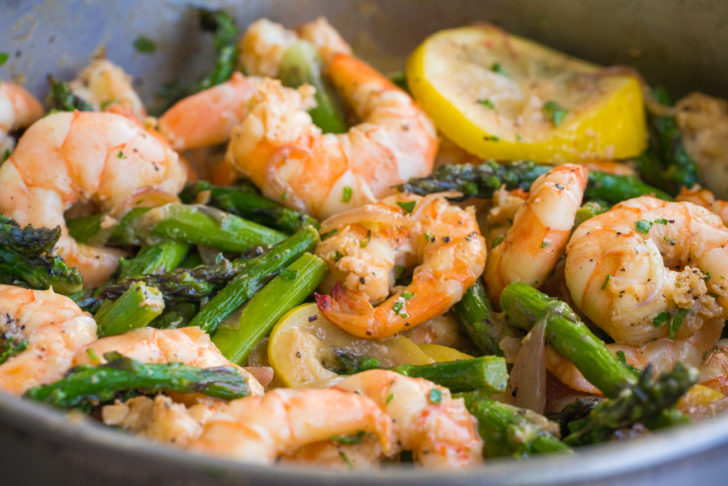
<point>346,194</point>
<point>518,137</point>
<point>554,111</point>
<point>496,67</point>
<point>677,320</point>
<point>491,138</point>
<point>144,44</point>
<point>390,397</point>
<point>660,319</point>
<point>643,226</point>
<point>435,395</point>
<point>545,244</point>
<point>397,307</point>
<point>497,241</point>
<point>407,206</point>
<point>623,359</point>
<point>345,458</point>
<point>364,243</point>
<point>94,357</point>
<point>121,155</point>
<point>606,281</point>
<point>337,255</point>
<point>4,56</point>
<point>487,103</point>
<point>349,439</point>
<point>407,295</point>
<point>707,277</point>
<point>661,221</point>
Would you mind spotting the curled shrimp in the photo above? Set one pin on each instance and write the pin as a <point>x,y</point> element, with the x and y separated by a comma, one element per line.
<point>262,428</point>
<point>18,109</point>
<point>188,345</point>
<point>54,328</point>
<point>285,154</point>
<point>662,353</point>
<point>103,83</point>
<point>68,158</point>
<point>540,230</point>
<point>706,199</point>
<point>439,431</point>
<point>208,117</point>
<point>439,239</point>
<point>648,268</point>
<point>161,418</point>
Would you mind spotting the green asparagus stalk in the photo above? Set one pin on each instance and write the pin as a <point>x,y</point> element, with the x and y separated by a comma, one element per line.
<point>10,347</point>
<point>511,431</point>
<point>666,164</point>
<point>61,98</point>
<point>194,284</point>
<point>194,224</point>
<point>251,278</point>
<point>475,312</point>
<point>245,201</point>
<point>223,26</point>
<point>176,316</point>
<point>152,259</point>
<point>136,308</point>
<point>301,64</point>
<point>482,180</point>
<point>27,259</point>
<point>288,289</point>
<point>86,384</point>
<point>644,402</point>
<point>486,373</point>
<point>524,306</point>
<point>588,210</point>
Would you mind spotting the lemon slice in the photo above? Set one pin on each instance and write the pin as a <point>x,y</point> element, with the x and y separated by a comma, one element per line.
<point>503,97</point>
<point>304,343</point>
<point>442,353</point>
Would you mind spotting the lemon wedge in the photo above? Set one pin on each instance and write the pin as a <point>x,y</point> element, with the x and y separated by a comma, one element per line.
<point>503,97</point>
<point>442,353</point>
<point>303,346</point>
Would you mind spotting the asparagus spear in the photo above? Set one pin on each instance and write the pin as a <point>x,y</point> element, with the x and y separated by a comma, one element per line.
<point>475,313</point>
<point>162,257</point>
<point>644,402</point>
<point>666,164</point>
<point>195,224</point>
<point>482,180</point>
<point>194,284</point>
<point>176,316</point>
<point>588,210</point>
<point>288,289</point>
<point>632,398</point>
<point>86,384</point>
<point>524,306</point>
<point>226,33</point>
<point>27,259</point>
<point>251,278</point>
<point>136,308</point>
<point>61,98</point>
<point>10,347</point>
<point>301,64</point>
<point>511,431</point>
<point>245,201</point>
<point>486,373</point>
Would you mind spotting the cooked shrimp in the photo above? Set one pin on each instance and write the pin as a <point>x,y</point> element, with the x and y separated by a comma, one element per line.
<point>262,47</point>
<point>373,241</point>
<point>55,329</point>
<point>703,121</point>
<point>103,83</point>
<point>540,230</point>
<point>18,109</point>
<point>437,428</point>
<point>706,199</point>
<point>208,117</point>
<point>632,268</point>
<point>67,158</point>
<point>188,345</point>
<point>262,428</point>
<point>281,150</point>
<point>662,353</point>
<point>160,418</point>
<point>366,454</point>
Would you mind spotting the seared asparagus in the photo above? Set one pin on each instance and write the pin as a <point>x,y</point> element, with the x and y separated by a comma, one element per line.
<point>85,384</point>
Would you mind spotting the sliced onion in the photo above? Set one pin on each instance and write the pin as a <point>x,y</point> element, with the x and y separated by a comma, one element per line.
<point>374,213</point>
<point>527,383</point>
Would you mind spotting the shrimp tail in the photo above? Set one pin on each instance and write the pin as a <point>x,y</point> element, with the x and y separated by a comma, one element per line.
<point>350,307</point>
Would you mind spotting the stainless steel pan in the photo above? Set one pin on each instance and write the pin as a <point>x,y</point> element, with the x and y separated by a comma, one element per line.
<point>677,43</point>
